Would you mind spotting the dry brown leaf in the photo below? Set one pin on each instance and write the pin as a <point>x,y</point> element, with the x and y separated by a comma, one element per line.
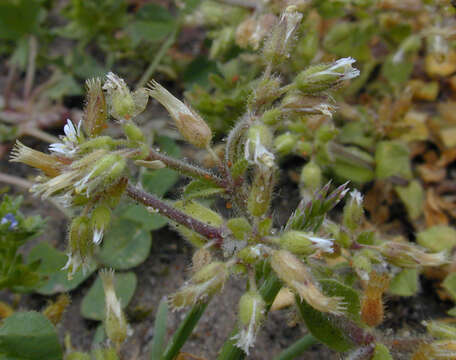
<point>284,298</point>
<point>433,214</point>
<point>431,173</point>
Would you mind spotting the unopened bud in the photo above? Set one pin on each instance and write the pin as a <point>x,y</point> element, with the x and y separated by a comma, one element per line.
<point>259,139</point>
<point>322,77</point>
<point>95,112</point>
<point>261,193</point>
<point>133,132</point>
<point>115,322</point>
<point>252,254</point>
<point>192,127</point>
<point>302,243</point>
<point>298,278</point>
<point>124,104</point>
<point>311,176</point>
<point>101,216</point>
<point>406,255</point>
<point>353,210</point>
<point>80,245</point>
<point>251,315</point>
<point>285,143</point>
<point>200,212</point>
<point>271,116</point>
<point>204,284</point>
<point>201,258</point>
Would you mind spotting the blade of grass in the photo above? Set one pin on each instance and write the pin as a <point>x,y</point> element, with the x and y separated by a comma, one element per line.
<point>184,331</point>
<point>158,342</point>
<point>298,348</point>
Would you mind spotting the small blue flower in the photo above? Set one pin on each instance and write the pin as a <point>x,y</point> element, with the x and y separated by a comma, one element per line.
<point>11,219</point>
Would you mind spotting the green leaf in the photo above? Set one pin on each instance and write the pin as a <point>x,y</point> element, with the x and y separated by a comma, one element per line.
<point>449,284</point>
<point>437,238</point>
<point>351,297</point>
<point>149,221</point>
<point>392,159</point>
<point>159,182</point>
<point>18,18</point>
<point>158,342</point>
<point>149,31</point>
<point>125,245</point>
<point>318,323</point>
<point>93,304</point>
<point>66,86</point>
<point>397,72</point>
<point>99,337</point>
<point>201,188</point>
<point>322,328</point>
<point>51,263</point>
<point>381,353</point>
<point>29,336</point>
<point>405,283</point>
<point>412,196</point>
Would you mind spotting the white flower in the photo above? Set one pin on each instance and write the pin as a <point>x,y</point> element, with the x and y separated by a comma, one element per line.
<point>356,196</point>
<point>69,143</point>
<point>323,244</point>
<point>345,64</point>
<point>73,263</point>
<point>261,156</point>
<point>97,236</point>
<point>246,337</point>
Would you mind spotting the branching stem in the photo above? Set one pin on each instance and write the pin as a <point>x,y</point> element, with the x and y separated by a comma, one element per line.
<point>174,214</point>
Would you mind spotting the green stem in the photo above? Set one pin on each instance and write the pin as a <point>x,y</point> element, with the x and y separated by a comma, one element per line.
<point>268,291</point>
<point>157,59</point>
<point>298,348</point>
<point>183,332</point>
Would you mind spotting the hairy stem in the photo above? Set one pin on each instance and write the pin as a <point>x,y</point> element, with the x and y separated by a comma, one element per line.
<point>174,214</point>
<point>188,169</point>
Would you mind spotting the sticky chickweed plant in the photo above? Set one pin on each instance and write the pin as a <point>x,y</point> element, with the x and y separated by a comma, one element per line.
<point>335,272</point>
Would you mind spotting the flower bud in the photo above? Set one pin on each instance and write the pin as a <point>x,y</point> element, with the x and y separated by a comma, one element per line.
<point>191,126</point>
<point>261,193</point>
<point>406,255</point>
<point>298,278</point>
<point>285,143</point>
<point>48,164</point>
<point>95,112</point>
<point>271,116</point>
<point>251,315</point>
<point>322,77</point>
<point>353,210</point>
<point>201,258</point>
<point>205,282</point>
<point>115,322</point>
<point>200,212</point>
<point>311,176</point>
<point>80,245</point>
<point>252,254</point>
<point>101,216</point>
<point>302,243</point>
<point>276,46</point>
<point>133,132</point>
<point>124,104</point>
<point>259,139</point>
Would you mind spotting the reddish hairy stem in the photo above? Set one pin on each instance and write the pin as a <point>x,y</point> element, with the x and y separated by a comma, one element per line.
<point>187,168</point>
<point>174,214</point>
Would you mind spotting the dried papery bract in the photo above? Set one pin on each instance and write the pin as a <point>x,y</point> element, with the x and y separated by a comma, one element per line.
<point>411,256</point>
<point>48,164</point>
<point>372,309</point>
<point>96,111</point>
<point>115,322</point>
<point>192,127</point>
<point>298,278</point>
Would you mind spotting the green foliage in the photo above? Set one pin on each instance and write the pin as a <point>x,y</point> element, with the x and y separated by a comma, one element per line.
<point>29,336</point>
<point>15,231</point>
